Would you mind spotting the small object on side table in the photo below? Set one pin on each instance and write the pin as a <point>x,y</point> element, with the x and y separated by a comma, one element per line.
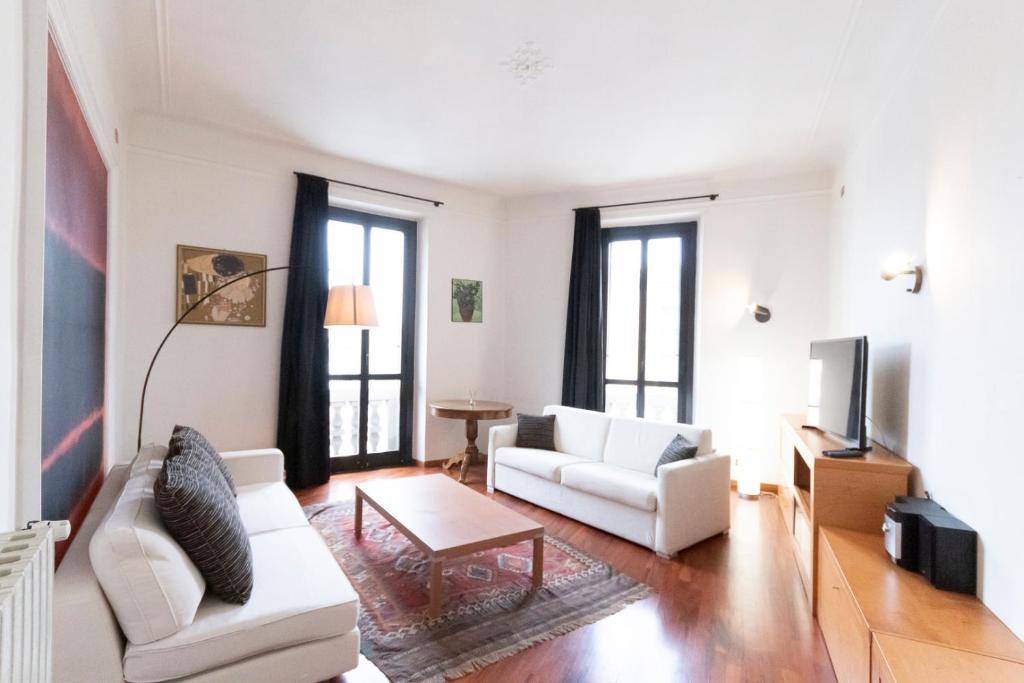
<point>471,413</point>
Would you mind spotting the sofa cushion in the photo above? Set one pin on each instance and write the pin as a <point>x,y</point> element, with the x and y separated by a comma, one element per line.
<point>635,489</point>
<point>545,464</point>
<point>300,595</point>
<point>151,584</point>
<point>269,507</point>
<point>637,444</point>
<point>579,432</point>
<point>535,431</point>
<point>202,515</point>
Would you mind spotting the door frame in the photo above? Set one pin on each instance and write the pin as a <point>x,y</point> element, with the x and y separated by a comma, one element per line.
<point>403,456</point>
<point>687,232</point>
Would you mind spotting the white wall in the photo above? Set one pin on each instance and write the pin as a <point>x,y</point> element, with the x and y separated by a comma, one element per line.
<point>191,184</point>
<point>940,176</point>
<point>761,240</point>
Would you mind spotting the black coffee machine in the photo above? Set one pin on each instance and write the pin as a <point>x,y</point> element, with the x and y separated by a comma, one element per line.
<point>921,536</point>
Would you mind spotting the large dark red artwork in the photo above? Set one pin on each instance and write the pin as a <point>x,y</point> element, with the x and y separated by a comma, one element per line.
<point>74,305</point>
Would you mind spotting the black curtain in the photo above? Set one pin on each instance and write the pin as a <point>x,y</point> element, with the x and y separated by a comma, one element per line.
<point>583,365</point>
<point>303,399</point>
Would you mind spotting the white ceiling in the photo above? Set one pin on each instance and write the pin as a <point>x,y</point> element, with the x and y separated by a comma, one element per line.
<point>637,89</point>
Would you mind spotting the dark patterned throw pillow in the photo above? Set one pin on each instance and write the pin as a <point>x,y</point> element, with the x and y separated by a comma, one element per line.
<point>536,431</point>
<point>183,433</point>
<point>202,515</point>
<point>677,449</point>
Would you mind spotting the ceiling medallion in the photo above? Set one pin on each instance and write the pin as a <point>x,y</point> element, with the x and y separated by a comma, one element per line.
<point>527,63</point>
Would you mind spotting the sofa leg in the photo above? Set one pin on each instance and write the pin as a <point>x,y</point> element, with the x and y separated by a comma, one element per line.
<point>666,556</point>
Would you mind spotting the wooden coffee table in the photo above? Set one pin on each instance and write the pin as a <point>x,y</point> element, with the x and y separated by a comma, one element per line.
<point>446,520</point>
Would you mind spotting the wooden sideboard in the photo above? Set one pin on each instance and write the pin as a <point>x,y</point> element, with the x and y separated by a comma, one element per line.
<point>816,491</point>
<point>884,624</point>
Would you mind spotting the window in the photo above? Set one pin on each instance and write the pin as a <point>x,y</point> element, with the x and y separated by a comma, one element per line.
<point>649,292</point>
<point>370,371</point>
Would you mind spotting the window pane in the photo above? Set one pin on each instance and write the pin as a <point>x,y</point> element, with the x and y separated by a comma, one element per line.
<point>344,267</point>
<point>387,266</point>
<point>620,400</point>
<point>344,417</point>
<point>623,324</point>
<point>383,416</point>
<point>661,404</point>
<point>664,268</point>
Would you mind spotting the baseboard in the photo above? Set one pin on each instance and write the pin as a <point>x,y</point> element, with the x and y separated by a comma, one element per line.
<point>765,487</point>
<point>430,463</point>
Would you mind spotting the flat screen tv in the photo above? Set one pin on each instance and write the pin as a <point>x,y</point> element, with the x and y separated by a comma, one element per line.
<point>837,395</point>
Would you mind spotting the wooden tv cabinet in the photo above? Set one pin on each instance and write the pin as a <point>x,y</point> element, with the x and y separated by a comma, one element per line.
<point>816,491</point>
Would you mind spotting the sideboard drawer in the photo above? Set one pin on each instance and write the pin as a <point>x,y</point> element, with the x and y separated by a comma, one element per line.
<point>846,634</point>
<point>880,671</point>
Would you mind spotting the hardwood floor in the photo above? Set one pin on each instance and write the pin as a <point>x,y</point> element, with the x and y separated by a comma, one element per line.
<point>728,609</point>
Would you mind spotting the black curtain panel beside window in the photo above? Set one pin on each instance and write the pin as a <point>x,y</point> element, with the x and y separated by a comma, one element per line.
<point>303,399</point>
<point>583,365</point>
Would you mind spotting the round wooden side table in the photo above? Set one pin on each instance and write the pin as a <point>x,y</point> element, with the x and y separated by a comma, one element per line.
<point>471,412</point>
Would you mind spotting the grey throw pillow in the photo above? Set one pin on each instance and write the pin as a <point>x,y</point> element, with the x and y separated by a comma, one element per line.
<point>201,513</point>
<point>677,449</point>
<point>536,431</point>
<point>184,434</point>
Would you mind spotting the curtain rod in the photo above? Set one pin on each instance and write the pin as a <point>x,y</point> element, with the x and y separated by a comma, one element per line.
<point>712,197</point>
<point>435,202</point>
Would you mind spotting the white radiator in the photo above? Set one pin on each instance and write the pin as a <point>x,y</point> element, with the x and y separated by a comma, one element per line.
<point>26,606</point>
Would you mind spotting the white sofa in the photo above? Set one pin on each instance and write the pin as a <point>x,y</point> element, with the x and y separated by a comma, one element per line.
<point>602,473</point>
<point>130,606</point>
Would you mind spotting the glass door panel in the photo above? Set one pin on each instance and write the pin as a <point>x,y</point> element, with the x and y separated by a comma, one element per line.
<point>388,282</point>
<point>623,317</point>
<point>664,261</point>
<point>344,267</point>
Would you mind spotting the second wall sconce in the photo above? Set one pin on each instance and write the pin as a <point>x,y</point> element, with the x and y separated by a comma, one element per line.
<point>761,313</point>
<point>897,266</point>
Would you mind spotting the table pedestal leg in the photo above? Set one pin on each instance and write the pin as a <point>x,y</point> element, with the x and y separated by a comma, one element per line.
<point>471,449</point>
<point>538,562</point>
<point>359,514</point>
<point>436,588</point>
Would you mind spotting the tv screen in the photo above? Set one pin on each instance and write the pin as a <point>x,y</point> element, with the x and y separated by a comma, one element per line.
<point>837,395</point>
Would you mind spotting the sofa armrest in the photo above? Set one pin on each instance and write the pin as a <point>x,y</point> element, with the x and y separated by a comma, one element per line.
<point>262,466</point>
<point>693,501</point>
<point>500,436</point>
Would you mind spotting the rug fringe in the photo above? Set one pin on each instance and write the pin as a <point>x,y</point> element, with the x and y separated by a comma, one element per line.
<point>635,594</point>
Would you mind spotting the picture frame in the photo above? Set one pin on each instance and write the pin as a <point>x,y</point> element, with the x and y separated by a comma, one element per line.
<point>202,269</point>
<point>467,301</point>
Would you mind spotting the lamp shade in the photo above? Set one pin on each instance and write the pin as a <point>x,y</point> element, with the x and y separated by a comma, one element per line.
<point>350,306</point>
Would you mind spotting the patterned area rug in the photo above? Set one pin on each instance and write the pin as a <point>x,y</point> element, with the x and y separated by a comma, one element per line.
<point>490,610</point>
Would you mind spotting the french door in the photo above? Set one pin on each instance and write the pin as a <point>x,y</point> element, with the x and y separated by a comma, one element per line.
<point>649,280</point>
<point>371,371</point>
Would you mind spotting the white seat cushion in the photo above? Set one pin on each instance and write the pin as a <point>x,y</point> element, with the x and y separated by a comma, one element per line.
<point>637,444</point>
<point>151,584</point>
<point>299,595</point>
<point>613,483</point>
<point>579,432</point>
<point>539,463</point>
<point>268,507</point>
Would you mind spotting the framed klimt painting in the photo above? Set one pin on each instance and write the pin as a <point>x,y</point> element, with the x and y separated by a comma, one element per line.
<point>467,301</point>
<point>201,270</point>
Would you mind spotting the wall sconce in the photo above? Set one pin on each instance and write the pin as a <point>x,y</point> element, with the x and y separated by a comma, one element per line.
<point>897,266</point>
<point>761,313</point>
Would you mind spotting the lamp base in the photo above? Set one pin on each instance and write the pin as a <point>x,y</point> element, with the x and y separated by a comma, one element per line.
<point>749,496</point>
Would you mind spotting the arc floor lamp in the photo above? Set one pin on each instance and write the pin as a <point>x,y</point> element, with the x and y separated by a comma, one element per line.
<point>347,306</point>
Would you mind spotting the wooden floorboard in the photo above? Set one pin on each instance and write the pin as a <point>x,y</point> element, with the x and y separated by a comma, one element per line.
<point>728,609</point>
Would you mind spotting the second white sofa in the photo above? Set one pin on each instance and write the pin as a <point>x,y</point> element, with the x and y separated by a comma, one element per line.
<point>602,473</point>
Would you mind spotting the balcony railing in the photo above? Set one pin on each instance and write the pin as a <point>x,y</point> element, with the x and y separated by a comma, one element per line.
<point>381,426</point>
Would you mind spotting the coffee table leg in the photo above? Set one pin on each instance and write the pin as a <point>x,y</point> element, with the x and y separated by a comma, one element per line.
<point>359,514</point>
<point>538,562</point>
<point>436,588</point>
